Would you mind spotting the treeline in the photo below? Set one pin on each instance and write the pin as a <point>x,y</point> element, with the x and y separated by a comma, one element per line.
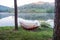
<point>37,8</point>
<point>31,8</point>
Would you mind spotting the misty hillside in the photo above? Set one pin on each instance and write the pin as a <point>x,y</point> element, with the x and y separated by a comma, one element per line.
<point>5,8</point>
<point>37,8</point>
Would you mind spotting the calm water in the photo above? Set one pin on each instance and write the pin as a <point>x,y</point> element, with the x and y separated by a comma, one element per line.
<point>6,19</point>
<point>32,16</point>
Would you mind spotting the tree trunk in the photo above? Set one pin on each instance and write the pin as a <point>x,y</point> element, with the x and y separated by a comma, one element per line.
<point>16,20</point>
<point>57,21</point>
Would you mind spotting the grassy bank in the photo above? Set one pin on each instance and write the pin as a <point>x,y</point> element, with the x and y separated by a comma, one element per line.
<point>8,33</point>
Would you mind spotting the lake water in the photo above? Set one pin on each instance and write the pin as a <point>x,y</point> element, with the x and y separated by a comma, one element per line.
<point>32,16</point>
<point>6,19</point>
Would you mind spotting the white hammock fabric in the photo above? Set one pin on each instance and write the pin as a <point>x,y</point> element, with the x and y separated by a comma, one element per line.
<point>29,23</point>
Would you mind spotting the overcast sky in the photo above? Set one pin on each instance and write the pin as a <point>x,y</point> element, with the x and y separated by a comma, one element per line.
<point>10,3</point>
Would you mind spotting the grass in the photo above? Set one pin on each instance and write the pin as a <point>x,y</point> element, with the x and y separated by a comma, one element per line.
<point>8,33</point>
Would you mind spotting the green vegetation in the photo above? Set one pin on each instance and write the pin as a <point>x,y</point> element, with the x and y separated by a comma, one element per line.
<point>45,25</point>
<point>8,33</point>
<point>37,8</point>
<point>31,8</point>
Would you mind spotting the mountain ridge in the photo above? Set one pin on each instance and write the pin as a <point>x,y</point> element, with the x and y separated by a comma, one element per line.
<point>32,7</point>
<point>35,7</point>
<point>4,8</point>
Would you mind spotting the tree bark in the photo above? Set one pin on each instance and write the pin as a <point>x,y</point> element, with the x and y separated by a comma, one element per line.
<point>16,20</point>
<point>57,21</point>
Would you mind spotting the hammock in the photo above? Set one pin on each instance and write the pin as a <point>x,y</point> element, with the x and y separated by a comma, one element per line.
<point>29,25</point>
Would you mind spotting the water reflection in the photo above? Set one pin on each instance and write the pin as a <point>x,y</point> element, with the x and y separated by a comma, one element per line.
<point>8,21</point>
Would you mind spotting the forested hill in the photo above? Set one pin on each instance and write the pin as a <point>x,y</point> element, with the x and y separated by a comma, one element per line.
<point>5,9</point>
<point>37,8</point>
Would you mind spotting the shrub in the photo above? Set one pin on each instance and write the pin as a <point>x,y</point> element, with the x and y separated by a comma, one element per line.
<point>44,24</point>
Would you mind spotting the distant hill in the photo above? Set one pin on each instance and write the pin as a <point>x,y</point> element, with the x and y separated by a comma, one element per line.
<point>5,8</point>
<point>39,7</point>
